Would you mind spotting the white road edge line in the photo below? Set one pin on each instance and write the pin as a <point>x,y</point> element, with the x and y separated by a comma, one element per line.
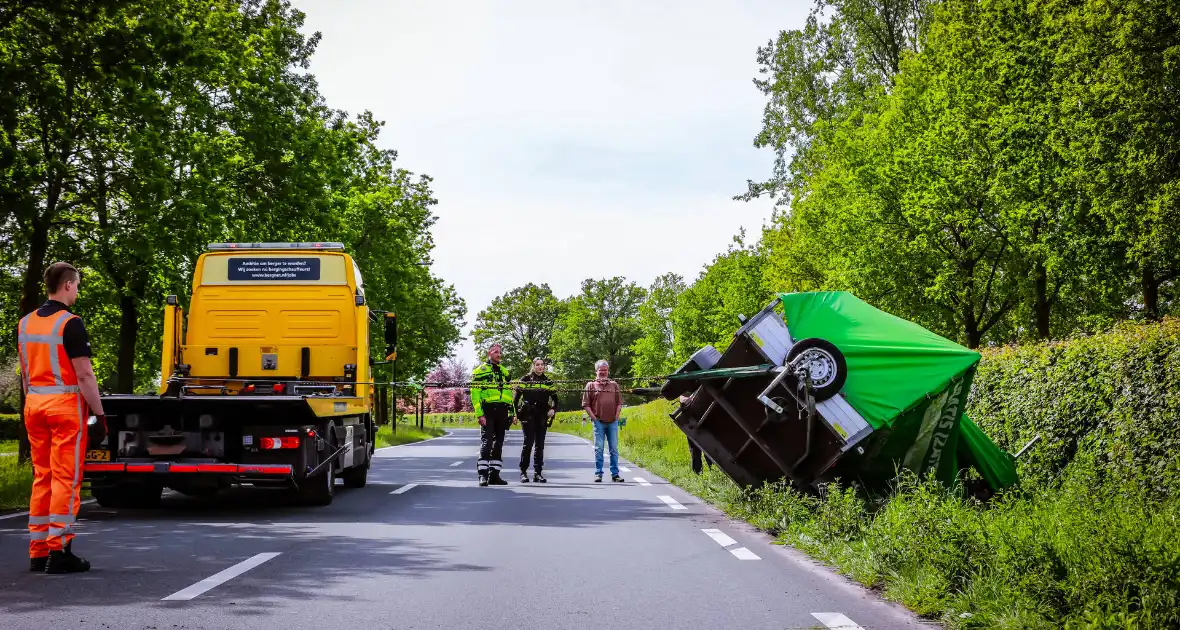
<point>404,488</point>
<point>26,513</point>
<point>220,578</point>
<point>741,553</point>
<point>672,503</point>
<point>836,621</point>
<point>720,537</point>
<point>641,481</point>
<point>456,464</point>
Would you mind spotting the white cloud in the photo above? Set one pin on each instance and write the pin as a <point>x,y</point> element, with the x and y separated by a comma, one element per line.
<point>567,139</point>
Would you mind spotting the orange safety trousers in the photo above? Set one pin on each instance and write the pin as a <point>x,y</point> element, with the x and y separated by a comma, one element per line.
<point>55,419</point>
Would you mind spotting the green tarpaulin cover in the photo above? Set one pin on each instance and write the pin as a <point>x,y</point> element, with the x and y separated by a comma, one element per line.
<point>910,384</point>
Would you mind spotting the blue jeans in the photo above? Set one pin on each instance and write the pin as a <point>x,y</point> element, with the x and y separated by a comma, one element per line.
<point>610,431</point>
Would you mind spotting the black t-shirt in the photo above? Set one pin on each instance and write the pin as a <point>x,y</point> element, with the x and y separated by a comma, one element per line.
<point>75,339</point>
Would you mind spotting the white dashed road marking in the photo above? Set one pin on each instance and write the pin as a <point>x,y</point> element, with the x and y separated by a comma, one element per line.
<point>404,488</point>
<point>672,503</point>
<point>741,553</point>
<point>220,578</point>
<point>723,539</point>
<point>456,464</point>
<point>836,621</point>
<point>624,469</point>
<point>641,481</point>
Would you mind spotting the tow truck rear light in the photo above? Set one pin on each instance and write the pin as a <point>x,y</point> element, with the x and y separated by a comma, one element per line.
<point>264,469</point>
<point>271,443</point>
<point>102,467</point>
<point>279,388</point>
<point>245,469</point>
<point>249,389</point>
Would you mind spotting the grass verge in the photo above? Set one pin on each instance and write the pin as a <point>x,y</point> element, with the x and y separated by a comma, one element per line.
<point>1080,553</point>
<point>406,434</point>
<point>16,482</point>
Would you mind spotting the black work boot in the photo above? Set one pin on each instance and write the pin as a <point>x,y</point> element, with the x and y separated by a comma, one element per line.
<point>616,478</point>
<point>495,480</point>
<point>524,477</point>
<point>65,561</point>
<point>483,479</point>
<point>539,478</point>
<point>38,564</point>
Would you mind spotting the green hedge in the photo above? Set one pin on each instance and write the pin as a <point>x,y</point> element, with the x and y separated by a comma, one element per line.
<point>1115,396</point>
<point>9,426</point>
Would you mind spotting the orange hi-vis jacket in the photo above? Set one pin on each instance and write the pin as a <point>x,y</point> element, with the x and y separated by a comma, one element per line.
<point>55,418</point>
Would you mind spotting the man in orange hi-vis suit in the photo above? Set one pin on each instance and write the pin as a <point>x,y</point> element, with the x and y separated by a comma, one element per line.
<point>60,393</point>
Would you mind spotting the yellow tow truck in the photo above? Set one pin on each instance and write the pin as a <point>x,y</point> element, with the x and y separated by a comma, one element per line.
<point>268,382</point>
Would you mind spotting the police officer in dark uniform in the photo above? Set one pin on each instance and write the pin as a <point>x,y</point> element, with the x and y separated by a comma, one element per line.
<point>536,404</point>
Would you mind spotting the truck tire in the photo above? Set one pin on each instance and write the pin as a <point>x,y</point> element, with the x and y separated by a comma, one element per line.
<point>829,368</point>
<point>129,496</point>
<point>357,476</point>
<point>320,489</point>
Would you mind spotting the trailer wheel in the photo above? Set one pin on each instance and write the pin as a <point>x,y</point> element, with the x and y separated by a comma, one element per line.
<point>130,496</point>
<point>827,365</point>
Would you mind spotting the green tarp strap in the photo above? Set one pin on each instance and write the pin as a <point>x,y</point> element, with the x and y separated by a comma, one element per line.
<point>736,372</point>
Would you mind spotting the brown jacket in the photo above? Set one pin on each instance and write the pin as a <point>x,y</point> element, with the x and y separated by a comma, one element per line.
<point>602,399</point>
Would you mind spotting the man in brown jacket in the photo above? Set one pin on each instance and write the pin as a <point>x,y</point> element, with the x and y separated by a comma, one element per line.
<point>602,401</point>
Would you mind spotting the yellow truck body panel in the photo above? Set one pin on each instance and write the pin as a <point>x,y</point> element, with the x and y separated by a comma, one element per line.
<point>254,314</point>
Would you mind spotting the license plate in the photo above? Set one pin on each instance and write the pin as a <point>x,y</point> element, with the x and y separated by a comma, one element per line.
<point>98,456</point>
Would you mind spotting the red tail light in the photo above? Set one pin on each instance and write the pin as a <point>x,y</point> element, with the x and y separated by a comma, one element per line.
<point>249,389</point>
<point>271,443</point>
<point>279,388</point>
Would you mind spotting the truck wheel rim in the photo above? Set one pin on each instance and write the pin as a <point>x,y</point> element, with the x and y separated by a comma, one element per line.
<point>821,365</point>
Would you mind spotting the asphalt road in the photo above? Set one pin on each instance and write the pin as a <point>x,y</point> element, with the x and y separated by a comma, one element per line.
<point>423,547</point>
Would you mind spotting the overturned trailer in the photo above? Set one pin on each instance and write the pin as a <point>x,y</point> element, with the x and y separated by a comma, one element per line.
<point>834,388</point>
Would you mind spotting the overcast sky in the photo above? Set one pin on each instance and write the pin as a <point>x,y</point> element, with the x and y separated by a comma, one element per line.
<point>566,139</point>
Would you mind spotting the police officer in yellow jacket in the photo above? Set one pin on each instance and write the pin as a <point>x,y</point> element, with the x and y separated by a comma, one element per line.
<point>491,396</point>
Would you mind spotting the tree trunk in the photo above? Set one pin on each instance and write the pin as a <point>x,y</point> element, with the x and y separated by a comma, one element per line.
<point>1042,305</point>
<point>1151,292</point>
<point>971,325</point>
<point>128,333</point>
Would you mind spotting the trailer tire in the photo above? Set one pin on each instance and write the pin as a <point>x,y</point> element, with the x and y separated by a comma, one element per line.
<point>128,496</point>
<point>828,362</point>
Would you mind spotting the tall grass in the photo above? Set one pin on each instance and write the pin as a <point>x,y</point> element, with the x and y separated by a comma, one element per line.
<point>1079,553</point>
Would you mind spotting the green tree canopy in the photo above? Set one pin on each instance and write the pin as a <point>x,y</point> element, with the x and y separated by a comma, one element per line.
<point>522,321</point>
<point>601,322</point>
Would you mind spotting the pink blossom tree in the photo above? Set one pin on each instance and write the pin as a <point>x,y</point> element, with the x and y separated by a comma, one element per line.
<point>451,399</point>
